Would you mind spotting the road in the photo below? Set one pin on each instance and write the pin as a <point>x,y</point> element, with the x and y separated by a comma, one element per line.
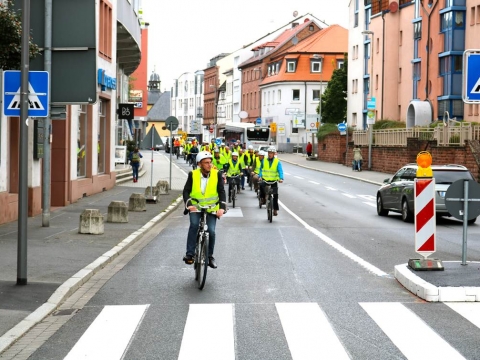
<point>317,283</point>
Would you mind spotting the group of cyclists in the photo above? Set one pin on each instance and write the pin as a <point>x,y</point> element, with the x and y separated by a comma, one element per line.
<point>222,164</point>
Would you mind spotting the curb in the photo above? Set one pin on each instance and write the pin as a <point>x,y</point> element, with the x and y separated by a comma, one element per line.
<point>424,290</point>
<point>333,173</point>
<point>77,280</point>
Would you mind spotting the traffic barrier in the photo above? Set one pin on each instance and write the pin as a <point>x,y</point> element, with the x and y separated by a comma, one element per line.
<point>91,222</point>
<point>117,212</point>
<point>425,221</point>
<point>137,202</point>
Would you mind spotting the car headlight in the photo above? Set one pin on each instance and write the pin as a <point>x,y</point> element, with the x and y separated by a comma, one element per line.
<point>442,194</point>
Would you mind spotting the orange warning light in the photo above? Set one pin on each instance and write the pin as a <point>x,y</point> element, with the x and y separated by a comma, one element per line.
<point>424,160</point>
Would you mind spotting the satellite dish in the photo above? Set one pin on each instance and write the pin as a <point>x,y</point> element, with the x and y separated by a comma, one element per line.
<point>295,13</point>
<point>243,114</point>
<point>295,40</point>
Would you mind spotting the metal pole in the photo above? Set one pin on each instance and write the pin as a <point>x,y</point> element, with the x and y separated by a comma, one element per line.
<point>465,222</point>
<point>46,163</point>
<point>23,161</point>
<point>370,140</point>
<point>171,150</point>
<point>151,166</point>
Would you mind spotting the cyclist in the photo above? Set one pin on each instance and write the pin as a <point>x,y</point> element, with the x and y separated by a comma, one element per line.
<point>256,171</point>
<point>241,159</point>
<point>206,185</point>
<point>271,170</point>
<point>193,153</point>
<point>218,159</point>
<point>176,145</point>
<point>227,153</point>
<point>234,168</point>
<point>249,162</point>
<point>186,150</point>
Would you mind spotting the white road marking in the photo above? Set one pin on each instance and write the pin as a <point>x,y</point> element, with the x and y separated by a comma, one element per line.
<point>336,245</point>
<point>298,177</point>
<point>368,197</point>
<point>108,337</point>
<point>470,311</point>
<point>237,212</point>
<point>308,332</point>
<point>370,204</point>
<point>286,173</point>
<point>209,333</point>
<point>397,322</point>
<point>349,196</point>
<point>313,182</point>
<point>330,188</point>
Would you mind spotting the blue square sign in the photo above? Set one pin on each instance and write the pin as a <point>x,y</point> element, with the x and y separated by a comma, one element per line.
<point>473,77</point>
<point>38,96</point>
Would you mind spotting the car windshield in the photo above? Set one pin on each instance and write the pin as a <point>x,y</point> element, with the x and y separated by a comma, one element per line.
<point>450,176</point>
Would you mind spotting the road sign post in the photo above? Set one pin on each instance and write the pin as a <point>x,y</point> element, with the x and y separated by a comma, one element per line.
<point>171,123</point>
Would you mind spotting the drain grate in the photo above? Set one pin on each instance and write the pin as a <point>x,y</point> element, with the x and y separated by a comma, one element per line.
<point>65,312</point>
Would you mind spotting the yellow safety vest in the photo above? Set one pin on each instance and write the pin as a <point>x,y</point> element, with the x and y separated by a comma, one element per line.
<point>211,195</point>
<point>258,163</point>
<point>233,170</point>
<point>270,173</point>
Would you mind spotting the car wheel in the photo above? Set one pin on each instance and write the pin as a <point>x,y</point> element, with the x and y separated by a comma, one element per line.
<point>471,222</point>
<point>380,210</point>
<point>407,215</point>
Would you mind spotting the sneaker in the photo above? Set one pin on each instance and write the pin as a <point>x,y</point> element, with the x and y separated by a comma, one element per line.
<point>211,262</point>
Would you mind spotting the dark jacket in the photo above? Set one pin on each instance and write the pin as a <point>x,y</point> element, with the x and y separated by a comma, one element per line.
<point>187,189</point>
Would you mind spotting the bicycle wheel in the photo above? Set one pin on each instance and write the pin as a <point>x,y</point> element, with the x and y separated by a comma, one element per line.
<point>269,208</point>
<point>196,259</point>
<point>250,181</point>
<point>234,195</point>
<point>203,264</point>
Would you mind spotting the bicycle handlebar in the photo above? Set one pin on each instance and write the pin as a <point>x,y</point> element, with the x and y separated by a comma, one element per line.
<point>210,206</point>
<point>270,182</point>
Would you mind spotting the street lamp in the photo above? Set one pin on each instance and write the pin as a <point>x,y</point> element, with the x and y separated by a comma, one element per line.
<point>215,114</point>
<point>370,126</point>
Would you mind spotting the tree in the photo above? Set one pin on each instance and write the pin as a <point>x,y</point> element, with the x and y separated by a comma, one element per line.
<point>11,38</point>
<point>334,99</point>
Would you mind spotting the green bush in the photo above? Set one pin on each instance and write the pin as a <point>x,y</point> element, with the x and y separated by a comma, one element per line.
<point>389,124</point>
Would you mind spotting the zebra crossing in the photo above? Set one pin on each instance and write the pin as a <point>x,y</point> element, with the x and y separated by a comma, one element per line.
<point>307,329</point>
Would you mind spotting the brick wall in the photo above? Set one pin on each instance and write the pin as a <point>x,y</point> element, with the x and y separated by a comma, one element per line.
<point>389,159</point>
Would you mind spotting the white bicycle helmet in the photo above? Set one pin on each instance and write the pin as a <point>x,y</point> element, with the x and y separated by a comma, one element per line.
<point>234,153</point>
<point>203,155</point>
<point>261,153</point>
<point>250,147</point>
<point>216,150</point>
<point>272,149</point>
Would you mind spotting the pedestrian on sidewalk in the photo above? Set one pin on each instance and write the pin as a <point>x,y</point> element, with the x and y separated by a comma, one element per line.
<point>135,157</point>
<point>357,159</point>
<point>309,149</point>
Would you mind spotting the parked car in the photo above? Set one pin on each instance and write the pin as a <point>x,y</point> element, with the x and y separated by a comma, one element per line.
<point>397,193</point>
<point>159,147</point>
<point>167,145</point>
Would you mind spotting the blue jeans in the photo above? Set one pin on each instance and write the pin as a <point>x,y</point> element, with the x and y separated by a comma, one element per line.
<point>135,167</point>
<point>192,232</point>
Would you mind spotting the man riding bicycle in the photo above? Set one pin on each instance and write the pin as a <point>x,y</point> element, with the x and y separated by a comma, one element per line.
<point>206,185</point>
<point>234,168</point>
<point>271,170</point>
<point>256,170</point>
<point>249,162</point>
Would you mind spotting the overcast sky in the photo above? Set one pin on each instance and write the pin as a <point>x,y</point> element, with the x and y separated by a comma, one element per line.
<point>185,34</point>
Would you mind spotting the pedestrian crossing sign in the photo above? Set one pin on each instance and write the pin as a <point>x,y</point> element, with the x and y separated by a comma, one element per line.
<point>38,97</point>
<point>471,77</point>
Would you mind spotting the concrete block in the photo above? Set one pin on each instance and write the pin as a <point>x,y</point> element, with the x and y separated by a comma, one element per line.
<point>117,212</point>
<point>91,222</point>
<point>153,192</point>
<point>451,294</point>
<point>162,186</point>
<point>473,291</point>
<point>137,202</point>
<point>431,298</point>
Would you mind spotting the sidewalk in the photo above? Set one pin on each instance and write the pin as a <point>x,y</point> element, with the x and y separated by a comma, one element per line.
<point>57,254</point>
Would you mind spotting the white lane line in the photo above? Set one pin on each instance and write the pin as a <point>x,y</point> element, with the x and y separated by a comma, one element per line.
<point>313,182</point>
<point>308,332</point>
<point>470,311</point>
<point>330,188</point>
<point>397,322</point>
<point>298,177</point>
<point>349,196</point>
<point>108,337</point>
<point>368,197</point>
<point>209,333</point>
<point>336,245</point>
<point>370,204</point>
<point>286,173</point>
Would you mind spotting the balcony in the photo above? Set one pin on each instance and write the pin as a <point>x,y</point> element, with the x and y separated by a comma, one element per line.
<point>128,37</point>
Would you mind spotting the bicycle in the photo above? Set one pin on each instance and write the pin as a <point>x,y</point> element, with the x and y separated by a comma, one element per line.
<point>200,259</point>
<point>232,186</point>
<point>269,190</point>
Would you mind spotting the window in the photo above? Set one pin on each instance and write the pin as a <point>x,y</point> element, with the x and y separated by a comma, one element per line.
<point>472,15</point>
<point>296,95</point>
<point>273,97</point>
<point>340,64</point>
<point>355,19</point>
<point>316,66</point>
<point>378,45</point>
<point>376,82</point>
<point>277,68</point>
<point>279,95</point>
<point>82,141</point>
<point>399,75</point>
<point>269,71</point>
<point>315,95</point>
<point>101,133</point>
<point>478,14</point>
<point>105,30</point>
<point>291,66</point>
<point>417,72</point>
<point>400,38</point>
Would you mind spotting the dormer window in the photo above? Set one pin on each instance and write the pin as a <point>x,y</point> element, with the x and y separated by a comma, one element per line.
<point>291,66</point>
<point>316,66</point>
<point>277,68</point>
<point>256,53</point>
<point>269,71</point>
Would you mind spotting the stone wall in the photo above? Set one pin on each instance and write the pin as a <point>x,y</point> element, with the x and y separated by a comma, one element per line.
<point>390,158</point>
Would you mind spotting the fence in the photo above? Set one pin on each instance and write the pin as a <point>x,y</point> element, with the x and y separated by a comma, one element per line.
<point>445,135</point>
